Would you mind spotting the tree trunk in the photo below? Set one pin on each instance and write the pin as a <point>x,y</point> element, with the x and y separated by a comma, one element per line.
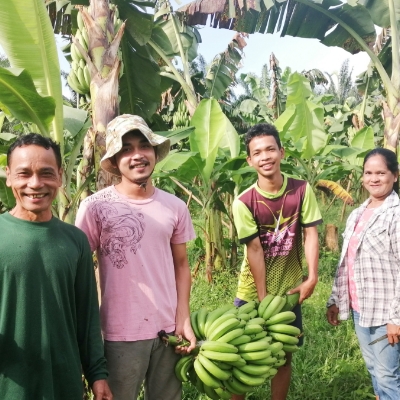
<point>215,251</point>
<point>104,65</point>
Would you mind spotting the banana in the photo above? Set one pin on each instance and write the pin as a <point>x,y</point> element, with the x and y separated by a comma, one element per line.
<point>219,346</point>
<point>256,355</point>
<point>75,53</point>
<point>285,317</point>
<point>280,354</point>
<point>290,348</point>
<point>212,316</point>
<point>211,393</point>
<point>257,321</point>
<point>283,328</point>
<point>273,308</point>
<point>275,347</point>
<point>182,368</point>
<point>272,371</point>
<point>79,20</point>
<point>264,304</point>
<point>223,328</point>
<point>242,323</point>
<point>220,320</point>
<point>228,337</point>
<point>265,361</point>
<point>73,82</point>
<point>280,362</point>
<point>193,322</point>
<point>81,79</point>
<point>239,386</point>
<point>213,369</point>
<point>253,369</point>
<point>247,308</point>
<point>205,376</point>
<point>281,337</point>
<point>251,329</point>
<point>253,346</point>
<point>223,393</point>
<point>228,386</point>
<point>238,364</point>
<point>241,339</point>
<point>244,316</point>
<point>222,365</point>
<point>217,356</point>
<point>291,301</point>
<point>250,380</point>
<point>82,63</point>
<point>253,314</point>
<point>201,320</point>
<point>258,336</point>
<point>85,37</point>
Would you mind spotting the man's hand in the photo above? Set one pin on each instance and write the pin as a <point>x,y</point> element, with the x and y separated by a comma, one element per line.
<point>185,330</point>
<point>332,315</point>
<point>101,390</point>
<point>305,289</point>
<point>393,332</point>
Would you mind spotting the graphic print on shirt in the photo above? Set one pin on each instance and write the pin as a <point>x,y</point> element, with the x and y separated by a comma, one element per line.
<point>121,230</point>
<point>277,238</point>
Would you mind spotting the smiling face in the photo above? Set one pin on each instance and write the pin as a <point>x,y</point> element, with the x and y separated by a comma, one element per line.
<point>136,159</point>
<point>265,156</point>
<point>378,180</point>
<point>34,177</point>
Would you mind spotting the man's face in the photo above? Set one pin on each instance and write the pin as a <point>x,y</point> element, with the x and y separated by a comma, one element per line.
<point>34,178</point>
<point>265,156</point>
<point>136,159</point>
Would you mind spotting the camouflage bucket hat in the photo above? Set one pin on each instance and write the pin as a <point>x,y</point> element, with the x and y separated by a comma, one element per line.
<point>124,124</point>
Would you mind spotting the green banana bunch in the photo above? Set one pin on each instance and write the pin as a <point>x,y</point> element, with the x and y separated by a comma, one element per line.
<point>238,348</point>
<point>180,117</point>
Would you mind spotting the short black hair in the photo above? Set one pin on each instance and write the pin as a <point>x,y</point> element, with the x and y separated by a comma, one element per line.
<point>261,130</point>
<point>37,140</point>
<point>390,159</point>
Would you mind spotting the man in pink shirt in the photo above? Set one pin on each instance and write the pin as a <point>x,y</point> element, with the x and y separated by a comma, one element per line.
<point>139,233</point>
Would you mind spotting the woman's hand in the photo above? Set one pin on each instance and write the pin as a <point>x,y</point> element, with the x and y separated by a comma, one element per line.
<point>393,332</point>
<point>332,315</point>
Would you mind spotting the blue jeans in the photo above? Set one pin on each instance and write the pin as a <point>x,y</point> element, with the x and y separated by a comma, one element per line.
<point>382,360</point>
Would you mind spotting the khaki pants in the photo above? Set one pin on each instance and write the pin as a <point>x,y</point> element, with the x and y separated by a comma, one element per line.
<point>131,363</point>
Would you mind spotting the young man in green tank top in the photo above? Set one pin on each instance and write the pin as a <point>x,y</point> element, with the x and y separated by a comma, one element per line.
<point>272,217</point>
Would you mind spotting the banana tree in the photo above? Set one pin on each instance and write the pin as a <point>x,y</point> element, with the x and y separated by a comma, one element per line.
<point>201,172</point>
<point>349,25</point>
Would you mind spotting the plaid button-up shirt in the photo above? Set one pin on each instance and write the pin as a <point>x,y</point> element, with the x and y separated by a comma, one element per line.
<point>376,266</point>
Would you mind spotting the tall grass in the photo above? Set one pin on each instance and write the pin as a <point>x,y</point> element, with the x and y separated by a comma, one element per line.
<point>329,366</point>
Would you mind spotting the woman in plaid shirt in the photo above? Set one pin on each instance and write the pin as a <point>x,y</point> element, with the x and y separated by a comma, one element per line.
<point>367,280</point>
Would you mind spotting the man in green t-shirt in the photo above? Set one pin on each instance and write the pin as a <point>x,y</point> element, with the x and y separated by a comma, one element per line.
<point>49,314</point>
<point>271,218</point>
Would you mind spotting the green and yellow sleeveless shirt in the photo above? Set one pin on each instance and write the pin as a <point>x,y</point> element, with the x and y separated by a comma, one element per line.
<point>277,219</point>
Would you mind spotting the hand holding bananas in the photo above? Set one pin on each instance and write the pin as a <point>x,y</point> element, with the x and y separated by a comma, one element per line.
<point>238,348</point>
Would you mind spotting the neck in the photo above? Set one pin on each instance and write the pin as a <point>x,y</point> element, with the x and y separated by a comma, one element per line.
<point>271,184</point>
<point>26,215</point>
<point>135,190</point>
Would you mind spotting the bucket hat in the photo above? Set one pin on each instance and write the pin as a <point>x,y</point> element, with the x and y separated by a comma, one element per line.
<point>123,124</point>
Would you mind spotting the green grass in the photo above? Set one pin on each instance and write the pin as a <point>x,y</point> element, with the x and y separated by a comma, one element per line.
<point>329,366</point>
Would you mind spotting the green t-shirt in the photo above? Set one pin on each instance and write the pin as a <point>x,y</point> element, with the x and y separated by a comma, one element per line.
<point>277,219</point>
<point>49,315</point>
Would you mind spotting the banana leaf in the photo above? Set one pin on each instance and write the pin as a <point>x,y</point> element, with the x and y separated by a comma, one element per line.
<point>26,35</point>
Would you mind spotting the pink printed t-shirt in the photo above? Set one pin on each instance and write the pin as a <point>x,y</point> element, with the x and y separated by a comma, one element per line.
<point>351,255</point>
<point>133,242</point>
